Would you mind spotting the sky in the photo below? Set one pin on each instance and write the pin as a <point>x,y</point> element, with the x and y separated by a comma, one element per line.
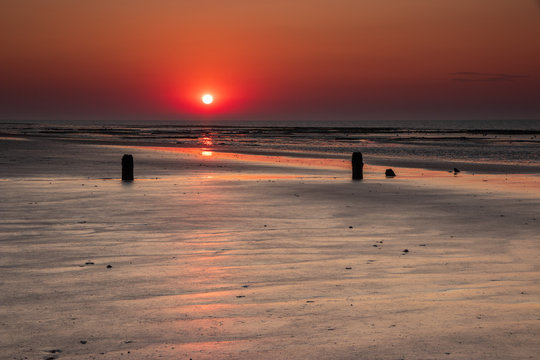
<point>270,59</point>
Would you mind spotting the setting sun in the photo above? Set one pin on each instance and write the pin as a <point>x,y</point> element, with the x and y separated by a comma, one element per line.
<point>207,99</point>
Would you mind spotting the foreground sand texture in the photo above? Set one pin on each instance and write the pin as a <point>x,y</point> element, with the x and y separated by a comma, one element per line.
<point>230,259</point>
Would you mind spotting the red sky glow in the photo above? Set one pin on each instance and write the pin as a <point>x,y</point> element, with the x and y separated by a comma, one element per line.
<point>346,59</point>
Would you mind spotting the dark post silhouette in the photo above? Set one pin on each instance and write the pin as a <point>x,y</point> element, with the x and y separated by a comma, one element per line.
<point>357,166</point>
<point>127,167</point>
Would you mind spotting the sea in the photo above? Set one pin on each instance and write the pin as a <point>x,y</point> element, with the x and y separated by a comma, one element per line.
<point>495,146</point>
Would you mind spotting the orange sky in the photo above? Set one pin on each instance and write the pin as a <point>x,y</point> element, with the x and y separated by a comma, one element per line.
<point>342,59</point>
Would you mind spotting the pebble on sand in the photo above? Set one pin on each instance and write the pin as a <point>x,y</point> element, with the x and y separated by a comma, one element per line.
<point>389,173</point>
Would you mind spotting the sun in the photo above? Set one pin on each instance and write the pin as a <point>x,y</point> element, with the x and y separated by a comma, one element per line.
<point>207,99</point>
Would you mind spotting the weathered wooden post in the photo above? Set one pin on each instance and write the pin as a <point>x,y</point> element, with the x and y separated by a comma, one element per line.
<point>127,167</point>
<point>357,166</point>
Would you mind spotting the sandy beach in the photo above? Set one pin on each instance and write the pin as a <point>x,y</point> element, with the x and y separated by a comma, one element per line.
<point>220,256</point>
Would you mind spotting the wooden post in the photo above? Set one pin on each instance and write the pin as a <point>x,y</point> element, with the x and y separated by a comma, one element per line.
<point>357,166</point>
<point>127,167</point>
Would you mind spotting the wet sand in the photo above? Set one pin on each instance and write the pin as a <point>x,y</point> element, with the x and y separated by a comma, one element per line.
<point>224,257</point>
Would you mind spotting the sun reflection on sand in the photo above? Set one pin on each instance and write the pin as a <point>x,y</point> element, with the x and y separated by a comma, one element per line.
<point>515,183</point>
<point>206,140</point>
<point>277,159</point>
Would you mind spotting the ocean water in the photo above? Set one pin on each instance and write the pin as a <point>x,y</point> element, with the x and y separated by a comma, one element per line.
<point>494,146</point>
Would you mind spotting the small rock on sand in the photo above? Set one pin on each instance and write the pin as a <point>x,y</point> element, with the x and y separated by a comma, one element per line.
<point>389,173</point>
